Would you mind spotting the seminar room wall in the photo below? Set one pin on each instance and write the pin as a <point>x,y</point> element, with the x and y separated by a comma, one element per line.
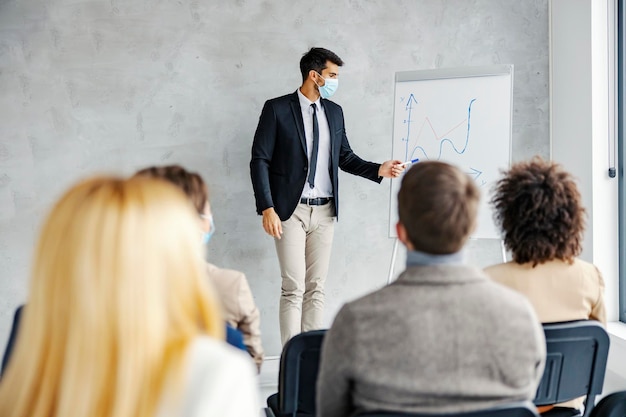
<point>94,86</point>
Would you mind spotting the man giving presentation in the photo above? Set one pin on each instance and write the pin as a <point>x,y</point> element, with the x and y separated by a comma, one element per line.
<point>299,144</point>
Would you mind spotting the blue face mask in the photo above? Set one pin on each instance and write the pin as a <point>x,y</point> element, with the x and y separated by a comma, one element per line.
<point>206,236</point>
<point>329,87</point>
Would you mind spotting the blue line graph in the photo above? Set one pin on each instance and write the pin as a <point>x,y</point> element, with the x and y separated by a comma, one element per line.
<point>419,151</point>
<point>460,116</point>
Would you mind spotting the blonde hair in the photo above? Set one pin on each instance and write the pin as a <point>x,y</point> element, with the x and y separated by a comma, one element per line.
<point>117,295</point>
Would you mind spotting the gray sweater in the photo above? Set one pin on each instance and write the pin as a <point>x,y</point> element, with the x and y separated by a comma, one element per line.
<point>439,339</point>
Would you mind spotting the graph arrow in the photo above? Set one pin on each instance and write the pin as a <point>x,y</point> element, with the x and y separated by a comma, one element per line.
<point>475,173</point>
<point>408,107</point>
<point>410,101</point>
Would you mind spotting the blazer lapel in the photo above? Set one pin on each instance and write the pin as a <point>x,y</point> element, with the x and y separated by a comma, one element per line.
<point>297,116</point>
<point>334,141</point>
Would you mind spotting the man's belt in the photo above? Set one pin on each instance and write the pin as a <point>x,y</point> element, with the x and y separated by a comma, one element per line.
<point>320,201</point>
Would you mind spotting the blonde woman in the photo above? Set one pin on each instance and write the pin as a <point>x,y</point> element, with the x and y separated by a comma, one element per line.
<point>120,321</point>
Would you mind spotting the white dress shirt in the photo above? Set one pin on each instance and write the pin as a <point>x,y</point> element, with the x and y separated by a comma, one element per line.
<point>323,185</point>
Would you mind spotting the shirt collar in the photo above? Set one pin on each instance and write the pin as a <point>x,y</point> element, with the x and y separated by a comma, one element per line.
<point>305,103</point>
<point>415,258</point>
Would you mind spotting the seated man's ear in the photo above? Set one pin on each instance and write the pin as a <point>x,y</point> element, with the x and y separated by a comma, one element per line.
<point>403,236</point>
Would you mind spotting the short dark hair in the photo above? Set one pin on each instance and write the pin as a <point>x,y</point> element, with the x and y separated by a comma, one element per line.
<point>438,206</point>
<point>190,183</point>
<point>538,207</point>
<point>315,59</point>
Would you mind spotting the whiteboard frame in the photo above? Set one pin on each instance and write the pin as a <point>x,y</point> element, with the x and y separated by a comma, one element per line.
<point>462,72</point>
<point>440,74</point>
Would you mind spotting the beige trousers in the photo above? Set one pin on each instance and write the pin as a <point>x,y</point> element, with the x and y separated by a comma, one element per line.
<point>304,254</point>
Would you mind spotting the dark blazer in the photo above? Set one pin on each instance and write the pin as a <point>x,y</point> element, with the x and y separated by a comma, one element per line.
<point>279,162</point>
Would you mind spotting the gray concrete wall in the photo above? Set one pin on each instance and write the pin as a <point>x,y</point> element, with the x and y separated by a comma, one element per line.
<point>89,86</point>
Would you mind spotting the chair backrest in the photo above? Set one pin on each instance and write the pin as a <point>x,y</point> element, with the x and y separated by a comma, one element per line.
<point>575,364</point>
<point>516,409</point>
<point>297,375</point>
<point>613,405</point>
<point>8,350</point>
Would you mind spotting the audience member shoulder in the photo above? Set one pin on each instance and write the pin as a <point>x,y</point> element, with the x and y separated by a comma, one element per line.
<point>220,379</point>
<point>590,269</point>
<point>230,274</point>
<point>492,269</point>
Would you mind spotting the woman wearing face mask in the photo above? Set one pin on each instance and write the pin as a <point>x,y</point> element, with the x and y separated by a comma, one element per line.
<point>231,286</point>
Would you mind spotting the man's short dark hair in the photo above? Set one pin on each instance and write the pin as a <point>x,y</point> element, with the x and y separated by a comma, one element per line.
<point>438,206</point>
<point>315,59</point>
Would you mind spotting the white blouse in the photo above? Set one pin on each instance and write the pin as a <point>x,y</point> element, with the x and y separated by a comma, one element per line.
<point>220,381</point>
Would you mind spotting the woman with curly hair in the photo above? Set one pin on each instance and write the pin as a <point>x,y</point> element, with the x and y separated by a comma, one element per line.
<point>538,207</point>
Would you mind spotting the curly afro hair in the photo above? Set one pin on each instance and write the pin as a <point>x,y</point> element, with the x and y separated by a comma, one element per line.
<point>538,207</point>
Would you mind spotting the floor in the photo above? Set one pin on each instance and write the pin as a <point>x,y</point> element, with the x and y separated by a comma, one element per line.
<point>268,379</point>
<point>613,382</point>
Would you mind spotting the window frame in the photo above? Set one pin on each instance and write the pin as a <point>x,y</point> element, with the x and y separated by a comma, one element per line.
<point>621,116</point>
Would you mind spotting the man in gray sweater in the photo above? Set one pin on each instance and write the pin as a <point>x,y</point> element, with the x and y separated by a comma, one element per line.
<point>443,337</point>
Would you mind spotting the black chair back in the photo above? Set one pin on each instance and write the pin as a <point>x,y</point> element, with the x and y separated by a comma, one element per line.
<point>297,376</point>
<point>613,405</point>
<point>517,409</point>
<point>12,338</point>
<point>576,362</point>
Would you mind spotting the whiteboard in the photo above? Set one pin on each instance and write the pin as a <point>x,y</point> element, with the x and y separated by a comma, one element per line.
<point>460,116</point>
